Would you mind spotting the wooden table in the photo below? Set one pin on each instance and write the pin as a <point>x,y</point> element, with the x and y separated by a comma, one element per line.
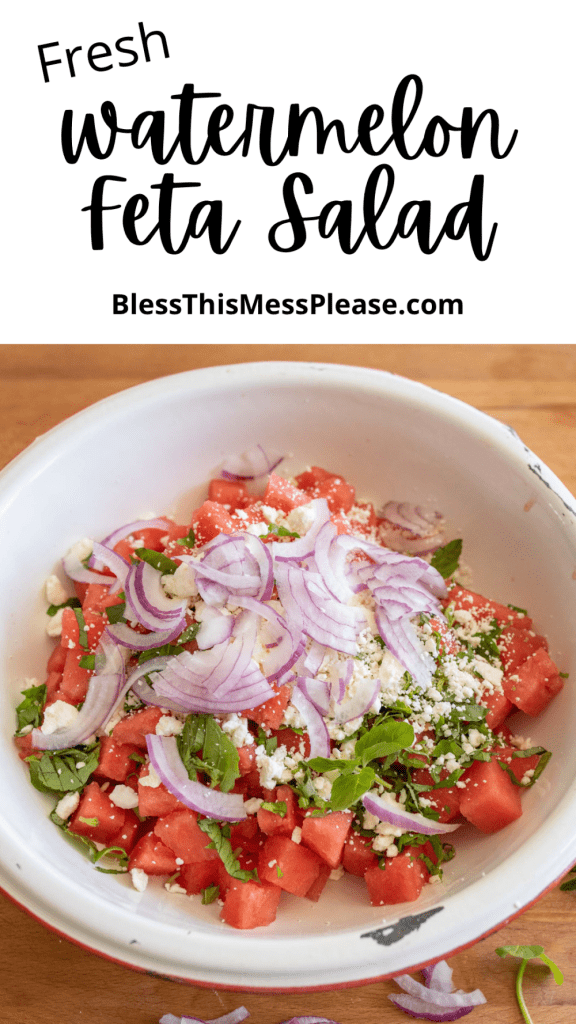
<point>47,980</point>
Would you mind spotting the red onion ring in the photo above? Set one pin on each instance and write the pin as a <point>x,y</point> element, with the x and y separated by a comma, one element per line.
<point>356,705</point>
<point>239,565</point>
<point>286,644</point>
<point>74,568</point>
<point>303,547</point>
<point>438,976</point>
<point>435,1003</point>
<point>103,693</point>
<point>329,558</point>
<point>126,637</point>
<point>250,465</point>
<point>318,692</point>
<point>111,560</point>
<point>315,724</point>
<point>421,522</point>
<point>167,763</point>
<point>422,1010</point>
<point>124,531</point>
<point>389,810</point>
<point>311,607</point>
<point>314,658</point>
<point>234,1017</point>
<point>147,601</point>
<point>215,628</point>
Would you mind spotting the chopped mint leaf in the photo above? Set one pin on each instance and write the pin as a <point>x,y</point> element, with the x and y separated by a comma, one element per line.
<point>188,541</point>
<point>219,755</point>
<point>189,633</point>
<point>281,531</point>
<point>56,771</point>
<point>221,843</point>
<point>90,821</point>
<point>445,560</point>
<point>94,853</point>
<point>563,675</point>
<point>280,807</point>
<point>379,641</point>
<point>279,872</point>
<point>156,652</point>
<point>268,742</point>
<point>115,613</point>
<point>388,738</point>
<point>210,893</point>
<point>570,884</point>
<point>82,634</point>
<point>29,711</point>
<point>88,661</point>
<point>155,558</point>
<point>139,758</point>
<point>347,789</point>
<point>487,646</point>
<point>521,611</point>
<point>72,602</point>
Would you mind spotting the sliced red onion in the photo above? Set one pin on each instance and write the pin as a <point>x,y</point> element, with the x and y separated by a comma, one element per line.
<point>239,565</point>
<point>228,1018</point>
<point>303,547</point>
<point>124,531</point>
<point>314,658</point>
<point>215,627</point>
<point>396,540</point>
<point>103,693</point>
<point>359,702</point>
<point>78,572</point>
<point>330,559</point>
<point>315,724</point>
<point>435,1003</point>
<point>421,522</point>
<point>339,688</point>
<point>317,691</point>
<point>167,763</point>
<point>400,638</point>
<point>311,607</point>
<point>126,637</point>
<point>438,976</point>
<point>251,464</point>
<point>386,808</point>
<point>103,556</point>
<point>147,600</point>
<point>422,1010</point>
<point>285,644</point>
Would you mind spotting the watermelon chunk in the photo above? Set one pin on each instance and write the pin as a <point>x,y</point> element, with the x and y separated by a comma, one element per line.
<point>326,835</point>
<point>151,856</point>
<point>483,608</point>
<point>250,904</point>
<point>115,761</point>
<point>209,521</point>
<point>358,855</point>
<point>533,684</point>
<point>490,800</point>
<point>135,727</point>
<point>400,881</point>
<point>270,714</point>
<point>180,832</point>
<point>96,817</point>
<point>280,494</point>
<point>288,865</point>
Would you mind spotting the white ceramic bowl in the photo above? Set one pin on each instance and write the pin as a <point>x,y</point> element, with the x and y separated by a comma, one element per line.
<point>151,449</point>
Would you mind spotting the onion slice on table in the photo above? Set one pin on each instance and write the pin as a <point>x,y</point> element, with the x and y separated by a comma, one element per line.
<point>315,724</point>
<point>251,464</point>
<point>167,763</point>
<point>104,690</point>
<point>386,808</point>
<point>234,1017</point>
<point>436,1002</point>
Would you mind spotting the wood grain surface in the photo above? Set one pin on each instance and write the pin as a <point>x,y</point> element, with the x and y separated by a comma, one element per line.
<point>47,980</point>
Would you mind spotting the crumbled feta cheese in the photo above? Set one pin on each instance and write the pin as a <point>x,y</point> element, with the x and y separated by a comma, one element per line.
<point>54,623</point>
<point>370,820</point>
<point>82,549</point>
<point>292,717</point>
<point>253,805</point>
<point>151,779</point>
<point>237,729</point>
<point>174,887</point>
<point>139,879</point>
<point>59,715</point>
<point>67,805</point>
<point>272,768</point>
<point>323,787</point>
<point>296,836</point>
<point>392,851</point>
<point>300,519</point>
<point>168,726</point>
<point>257,529</point>
<point>55,593</point>
<point>336,873</point>
<point>182,583</point>
<point>123,796</point>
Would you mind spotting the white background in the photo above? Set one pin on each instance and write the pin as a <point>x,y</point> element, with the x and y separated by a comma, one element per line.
<point>513,56</point>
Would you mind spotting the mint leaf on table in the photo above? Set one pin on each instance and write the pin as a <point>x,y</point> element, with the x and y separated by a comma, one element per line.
<point>445,560</point>
<point>526,953</point>
<point>29,711</point>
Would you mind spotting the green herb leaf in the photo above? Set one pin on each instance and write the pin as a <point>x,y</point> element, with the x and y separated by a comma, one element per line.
<point>72,602</point>
<point>269,743</point>
<point>347,789</point>
<point>219,755</point>
<point>139,758</point>
<point>279,807</point>
<point>88,661</point>
<point>189,633</point>
<point>570,884</point>
<point>210,893</point>
<point>388,738</point>
<point>279,872</point>
<point>445,560</point>
<point>156,652</point>
<point>188,542</point>
<point>29,711</point>
<point>159,561</point>
<point>223,848</point>
<point>94,853</point>
<point>82,634</point>
<point>522,611</point>
<point>56,771</point>
<point>281,531</point>
<point>115,613</point>
<point>526,953</point>
<point>89,821</point>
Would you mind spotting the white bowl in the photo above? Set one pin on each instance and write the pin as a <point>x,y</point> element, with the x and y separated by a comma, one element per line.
<point>151,449</point>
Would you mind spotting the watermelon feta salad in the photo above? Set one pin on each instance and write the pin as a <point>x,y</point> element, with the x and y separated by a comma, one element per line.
<point>289,687</point>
